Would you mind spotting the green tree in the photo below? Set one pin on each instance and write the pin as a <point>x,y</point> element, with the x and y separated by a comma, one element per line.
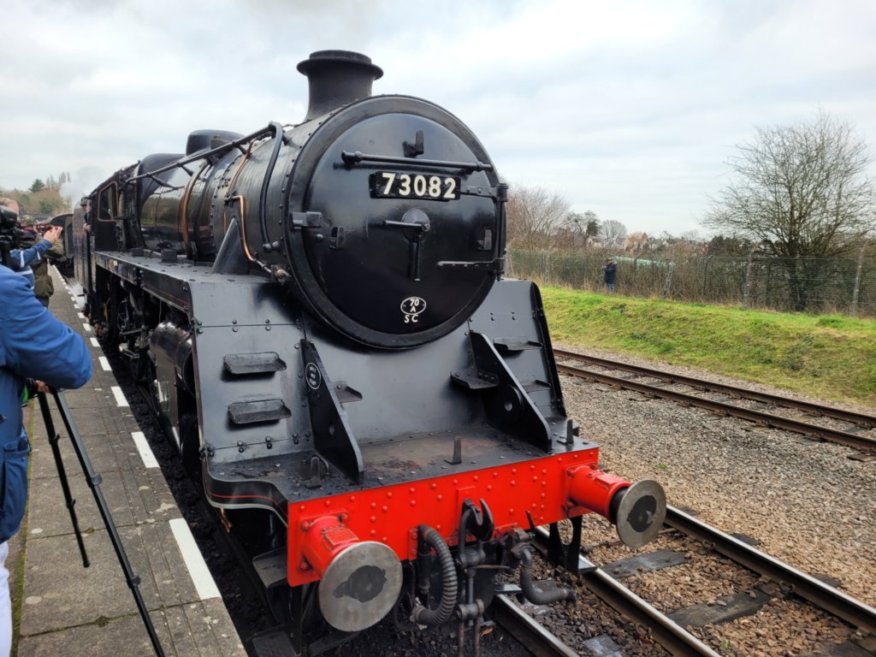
<point>37,186</point>
<point>800,191</point>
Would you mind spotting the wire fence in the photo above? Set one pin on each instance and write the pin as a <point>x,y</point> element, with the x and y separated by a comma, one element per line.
<point>845,285</point>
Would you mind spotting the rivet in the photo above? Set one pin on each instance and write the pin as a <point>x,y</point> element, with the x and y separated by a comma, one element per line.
<point>413,502</point>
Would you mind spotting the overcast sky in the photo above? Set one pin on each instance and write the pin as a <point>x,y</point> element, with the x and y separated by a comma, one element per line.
<point>627,108</point>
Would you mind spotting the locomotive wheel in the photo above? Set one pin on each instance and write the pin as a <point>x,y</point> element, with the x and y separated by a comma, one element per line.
<point>110,333</point>
<point>190,447</point>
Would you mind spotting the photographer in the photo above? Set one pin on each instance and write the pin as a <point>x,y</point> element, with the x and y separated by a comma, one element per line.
<point>35,345</point>
<point>22,259</point>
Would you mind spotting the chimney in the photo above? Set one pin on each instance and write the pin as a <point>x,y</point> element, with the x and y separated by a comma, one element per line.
<point>337,77</point>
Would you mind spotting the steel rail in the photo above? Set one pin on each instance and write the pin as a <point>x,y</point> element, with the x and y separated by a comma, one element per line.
<point>702,384</point>
<point>670,635</point>
<point>834,435</point>
<point>817,592</point>
<point>523,627</point>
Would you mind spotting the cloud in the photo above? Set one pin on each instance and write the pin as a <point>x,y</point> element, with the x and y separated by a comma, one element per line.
<point>628,108</point>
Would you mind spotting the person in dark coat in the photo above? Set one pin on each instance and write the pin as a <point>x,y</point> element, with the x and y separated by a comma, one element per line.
<point>43,287</point>
<point>609,273</point>
<point>33,345</point>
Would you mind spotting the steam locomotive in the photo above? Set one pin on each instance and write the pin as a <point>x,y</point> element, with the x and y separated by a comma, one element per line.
<point>320,312</point>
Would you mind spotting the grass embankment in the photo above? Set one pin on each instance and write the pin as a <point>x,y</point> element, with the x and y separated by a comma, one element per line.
<point>828,356</point>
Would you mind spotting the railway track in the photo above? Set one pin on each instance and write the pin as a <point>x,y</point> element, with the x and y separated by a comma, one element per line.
<point>858,430</point>
<point>671,630</point>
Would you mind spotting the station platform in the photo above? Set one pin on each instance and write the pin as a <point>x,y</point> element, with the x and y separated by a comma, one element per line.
<point>61,608</point>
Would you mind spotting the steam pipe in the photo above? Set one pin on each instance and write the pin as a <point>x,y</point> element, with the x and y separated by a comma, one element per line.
<point>263,197</point>
<point>534,594</point>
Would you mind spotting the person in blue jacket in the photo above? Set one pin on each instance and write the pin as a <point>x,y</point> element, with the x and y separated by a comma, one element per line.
<point>20,260</point>
<point>33,345</point>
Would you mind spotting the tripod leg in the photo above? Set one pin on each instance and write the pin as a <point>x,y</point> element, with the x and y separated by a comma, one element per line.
<point>94,480</point>
<point>62,473</point>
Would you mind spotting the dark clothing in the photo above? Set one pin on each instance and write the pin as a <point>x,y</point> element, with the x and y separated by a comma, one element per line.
<point>33,344</point>
<point>43,287</point>
<point>610,271</point>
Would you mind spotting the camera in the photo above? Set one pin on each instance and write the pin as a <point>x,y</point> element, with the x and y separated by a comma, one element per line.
<point>8,219</point>
<point>10,233</point>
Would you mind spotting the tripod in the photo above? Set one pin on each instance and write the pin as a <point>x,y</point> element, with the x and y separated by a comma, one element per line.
<point>94,481</point>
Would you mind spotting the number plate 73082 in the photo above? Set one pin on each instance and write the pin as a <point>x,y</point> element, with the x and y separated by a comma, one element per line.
<point>432,187</point>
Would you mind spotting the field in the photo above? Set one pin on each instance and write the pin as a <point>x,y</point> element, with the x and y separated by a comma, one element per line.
<point>828,356</point>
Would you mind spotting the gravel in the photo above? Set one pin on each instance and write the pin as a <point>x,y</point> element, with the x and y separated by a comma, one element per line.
<point>807,503</point>
<point>810,504</point>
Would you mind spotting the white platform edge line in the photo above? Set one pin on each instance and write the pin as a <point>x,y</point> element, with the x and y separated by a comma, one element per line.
<point>121,402</point>
<point>144,450</point>
<point>204,583</point>
<point>104,364</point>
<point>80,315</point>
<point>87,328</point>
<point>95,343</point>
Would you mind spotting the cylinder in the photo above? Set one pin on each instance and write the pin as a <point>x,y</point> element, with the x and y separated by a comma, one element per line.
<point>637,510</point>
<point>336,78</point>
<point>360,581</point>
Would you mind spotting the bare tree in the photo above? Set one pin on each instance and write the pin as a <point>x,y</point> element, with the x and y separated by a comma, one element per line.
<point>533,216</point>
<point>612,232</point>
<point>801,192</point>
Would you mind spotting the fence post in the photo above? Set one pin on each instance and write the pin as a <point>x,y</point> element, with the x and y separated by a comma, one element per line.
<point>667,285</point>
<point>857,290</point>
<point>746,291</point>
<point>705,277</point>
<point>547,267</point>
